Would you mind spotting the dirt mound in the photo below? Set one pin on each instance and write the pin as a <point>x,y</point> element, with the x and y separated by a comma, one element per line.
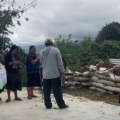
<point>80,70</point>
<point>117,71</point>
<point>105,65</point>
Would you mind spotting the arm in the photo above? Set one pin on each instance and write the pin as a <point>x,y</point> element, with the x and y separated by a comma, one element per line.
<point>60,62</point>
<point>14,62</point>
<point>8,61</point>
<point>34,61</point>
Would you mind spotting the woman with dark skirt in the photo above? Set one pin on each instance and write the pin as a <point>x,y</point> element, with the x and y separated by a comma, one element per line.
<point>2,61</point>
<point>12,62</point>
<point>33,69</point>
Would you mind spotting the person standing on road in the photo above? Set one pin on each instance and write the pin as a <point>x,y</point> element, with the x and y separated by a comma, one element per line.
<point>52,66</point>
<point>12,62</point>
<point>33,75</point>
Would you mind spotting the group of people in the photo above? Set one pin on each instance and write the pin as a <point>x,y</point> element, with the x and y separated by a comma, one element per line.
<point>49,65</point>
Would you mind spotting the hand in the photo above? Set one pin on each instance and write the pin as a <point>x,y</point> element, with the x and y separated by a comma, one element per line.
<point>37,55</point>
<point>66,69</point>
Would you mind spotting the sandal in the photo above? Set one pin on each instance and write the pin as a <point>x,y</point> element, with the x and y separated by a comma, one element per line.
<point>29,97</point>
<point>18,99</point>
<point>34,96</point>
<point>8,100</point>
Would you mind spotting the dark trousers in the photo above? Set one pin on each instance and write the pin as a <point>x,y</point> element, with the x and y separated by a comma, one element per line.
<point>56,86</point>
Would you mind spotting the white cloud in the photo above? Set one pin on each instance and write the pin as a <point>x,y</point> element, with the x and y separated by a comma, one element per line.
<point>54,17</point>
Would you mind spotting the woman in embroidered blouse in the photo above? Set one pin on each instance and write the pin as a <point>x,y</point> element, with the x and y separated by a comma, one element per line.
<point>12,62</point>
<point>33,67</point>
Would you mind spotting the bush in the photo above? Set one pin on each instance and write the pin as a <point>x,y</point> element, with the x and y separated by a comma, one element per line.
<point>80,54</point>
<point>24,77</point>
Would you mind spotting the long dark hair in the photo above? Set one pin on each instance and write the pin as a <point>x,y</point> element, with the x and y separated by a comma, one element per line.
<point>31,47</point>
<point>13,47</point>
<point>17,56</point>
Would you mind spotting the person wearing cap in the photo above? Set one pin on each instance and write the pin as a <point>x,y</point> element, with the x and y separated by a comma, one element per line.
<point>52,66</point>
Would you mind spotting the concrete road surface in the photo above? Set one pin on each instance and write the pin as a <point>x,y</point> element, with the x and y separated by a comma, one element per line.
<point>79,109</point>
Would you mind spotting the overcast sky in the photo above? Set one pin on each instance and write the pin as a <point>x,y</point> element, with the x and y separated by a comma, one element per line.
<point>51,18</point>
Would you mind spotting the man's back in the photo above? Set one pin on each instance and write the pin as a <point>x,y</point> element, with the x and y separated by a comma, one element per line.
<point>51,62</point>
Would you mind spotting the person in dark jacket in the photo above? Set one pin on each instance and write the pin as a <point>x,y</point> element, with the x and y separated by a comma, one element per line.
<point>12,62</point>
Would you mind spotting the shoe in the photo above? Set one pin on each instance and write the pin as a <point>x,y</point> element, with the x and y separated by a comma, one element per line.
<point>65,107</point>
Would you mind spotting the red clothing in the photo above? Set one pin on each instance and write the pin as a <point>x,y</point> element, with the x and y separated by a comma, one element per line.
<point>64,62</point>
<point>65,65</point>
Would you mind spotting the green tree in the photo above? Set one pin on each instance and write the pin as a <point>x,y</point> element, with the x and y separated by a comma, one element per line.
<point>109,32</point>
<point>5,44</point>
<point>9,16</point>
<point>85,51</point>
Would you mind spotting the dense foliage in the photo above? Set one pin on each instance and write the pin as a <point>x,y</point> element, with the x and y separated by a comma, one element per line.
<point>9,17</point>
<point>80,54</point>
<point>109,32</point>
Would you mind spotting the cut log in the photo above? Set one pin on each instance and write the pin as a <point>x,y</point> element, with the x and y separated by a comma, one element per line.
<point>86,84</point>
<point>113,89</point>
<point>78,74</point>
<point>68,77</point>
<point>72,83</point>
<point>88,74</point>
<point>99,85</point>
<point>118,84</point>
<point>81,79</point>
<point>85,74</point>
<point>109,88</point>
<point>98,89</point>
<point>105,82</point>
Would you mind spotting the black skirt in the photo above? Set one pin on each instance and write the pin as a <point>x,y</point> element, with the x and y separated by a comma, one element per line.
<point>14,80</point>
<point>33,79</point>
